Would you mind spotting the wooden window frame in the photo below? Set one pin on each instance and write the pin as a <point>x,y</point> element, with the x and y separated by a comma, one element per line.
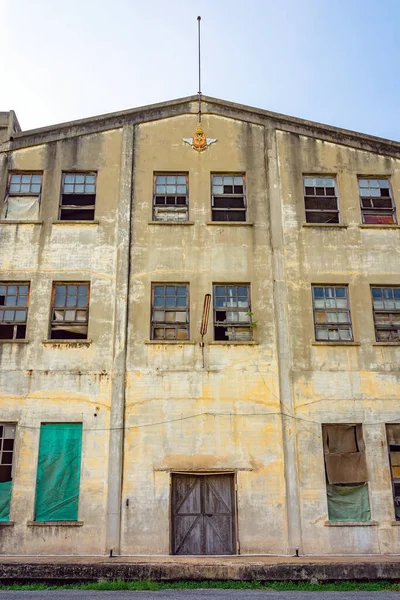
<point>2,450</point>
<point>19,326</point>
<point>175,208</point>
<point>379,212</point>
<point>228,210</point>
<point>170,325</point>
<point>30,174</point>
<point>66,209</point>
<point>228,324</point>
<point>316,197</point>
<point>389,311</point>
<point>332,326</point>
<point>69,323</point>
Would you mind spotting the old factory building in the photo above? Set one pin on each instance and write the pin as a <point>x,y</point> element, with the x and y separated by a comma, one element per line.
<point>199,335</point>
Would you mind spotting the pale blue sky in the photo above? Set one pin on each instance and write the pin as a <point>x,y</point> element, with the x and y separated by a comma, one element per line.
<point>333,61</point>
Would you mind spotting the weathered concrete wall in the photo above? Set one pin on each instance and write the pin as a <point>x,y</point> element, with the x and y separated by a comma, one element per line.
<point>43,382</point>
<point>179,416</point>
<point>356,383</point>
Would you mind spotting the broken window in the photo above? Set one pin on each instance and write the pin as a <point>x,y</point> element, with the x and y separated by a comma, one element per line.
<point>386,308</point>
<point>393,440</point>
<point>170,312</point>
<point>22,197</point>
<point>70,311</point>
<point>14,299</point>
<point>332,313</point>
<point>232,319</point>
<point>377,205</point>
<point>346,473</point>
<point>171,199</point>
<point>7,437</point>
<point>78,197</point>
<point>321,200</point>
<point>228,198</point>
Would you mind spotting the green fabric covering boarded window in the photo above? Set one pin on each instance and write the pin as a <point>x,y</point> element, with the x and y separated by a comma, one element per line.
<point>5,500</point>
<point>348,503</point>
<point>59,468</point>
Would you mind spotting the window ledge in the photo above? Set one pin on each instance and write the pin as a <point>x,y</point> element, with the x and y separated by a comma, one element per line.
<point>329,225</point>
<point>372,226</point>
<point>233,343</point>
<point>230,223</point>
<point>76,222</point>
<point>335,343</point>
<point>171,223</point>
<point>6,523</point>
<point>16,222</point>
<point>173,342</point>
<point>55,523</point>
<point>76,343</point>
<point>14,341</point>
<point>386,344</point>
<point>351,523</point>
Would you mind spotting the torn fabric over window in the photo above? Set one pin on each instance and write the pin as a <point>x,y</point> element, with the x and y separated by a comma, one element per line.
<point>21,208</point>
<point>344,454</point>
<point>348,503</point>
<point>393,438</point>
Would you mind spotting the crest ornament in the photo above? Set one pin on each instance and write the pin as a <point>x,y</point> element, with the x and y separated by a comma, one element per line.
<point>199,141</point>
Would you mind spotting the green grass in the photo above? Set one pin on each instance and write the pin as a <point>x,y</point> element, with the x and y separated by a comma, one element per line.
<point>342,586</point>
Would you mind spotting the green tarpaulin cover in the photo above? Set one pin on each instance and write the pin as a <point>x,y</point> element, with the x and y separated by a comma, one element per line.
<point>348,503</point>
<point>59,467</point>
<point>5,499</point>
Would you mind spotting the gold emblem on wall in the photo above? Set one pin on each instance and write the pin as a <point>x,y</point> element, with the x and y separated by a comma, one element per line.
<point>199,141</point>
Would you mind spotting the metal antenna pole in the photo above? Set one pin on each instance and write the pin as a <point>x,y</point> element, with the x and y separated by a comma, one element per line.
<point>199,92</point>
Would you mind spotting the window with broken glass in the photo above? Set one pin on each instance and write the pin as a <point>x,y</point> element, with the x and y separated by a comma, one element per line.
<point>70,311</point>
<point>393,440</point>
<point>170,198</point>
<point>228,198</point>
<point>332,313</point>
<point>170,312</point>
<point>22,197</point>
<point>232,321</point>
<point>321,200</point>
<point>377,205</point>
<point>14,299</point>
<point>7,437</point>
<point>78,197</point>
<point>386,308</point>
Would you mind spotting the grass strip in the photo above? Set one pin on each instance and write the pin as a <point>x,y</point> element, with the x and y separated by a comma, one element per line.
<point>279,586</point>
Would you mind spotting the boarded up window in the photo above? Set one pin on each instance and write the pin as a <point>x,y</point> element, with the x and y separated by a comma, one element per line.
<point>228,198</point>
<point>232,318</point>
<point>70,311</point>
<point>332,319</point>
<point>58,476</point>
<point>377,205</point>
<point>78,197</point>
<point>320,199</point>
<point>171,198</point>
<point>170,312</point>
<point>393,439</point>
<point>386,307</point>
<point>22,197</point>
<point>7,438</point>
<point>346,469</point>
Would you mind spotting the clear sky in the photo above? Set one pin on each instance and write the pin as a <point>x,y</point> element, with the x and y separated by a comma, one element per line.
<point>332,61</point>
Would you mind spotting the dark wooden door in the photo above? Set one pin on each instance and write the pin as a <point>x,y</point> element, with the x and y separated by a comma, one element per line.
<point>203,514</point>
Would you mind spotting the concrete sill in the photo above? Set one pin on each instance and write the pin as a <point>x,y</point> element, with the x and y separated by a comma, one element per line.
<point>15,222</point>
<point>230,223</point>
<point>236,343</point>
<point>75,343</point>
<point>14,341</point>
<point>386,344</point>
<point>338,343</point>
<point>55,523</point>
<point>351,523</point>
<point>329,225</point>
<point>94,222</point>
<point>6,523</point>
<point>395,523</point>
<point>171,342</point>
<point>389,226</point>
<point>171,223</point>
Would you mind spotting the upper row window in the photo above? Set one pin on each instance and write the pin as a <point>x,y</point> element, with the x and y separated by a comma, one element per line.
<point>77,199</point>
<point>322,203</point>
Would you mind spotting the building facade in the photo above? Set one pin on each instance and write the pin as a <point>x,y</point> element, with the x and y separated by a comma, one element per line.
<point>124,425</point>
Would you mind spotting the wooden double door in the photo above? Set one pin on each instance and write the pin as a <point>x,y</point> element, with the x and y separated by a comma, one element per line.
<point>203,514</point>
